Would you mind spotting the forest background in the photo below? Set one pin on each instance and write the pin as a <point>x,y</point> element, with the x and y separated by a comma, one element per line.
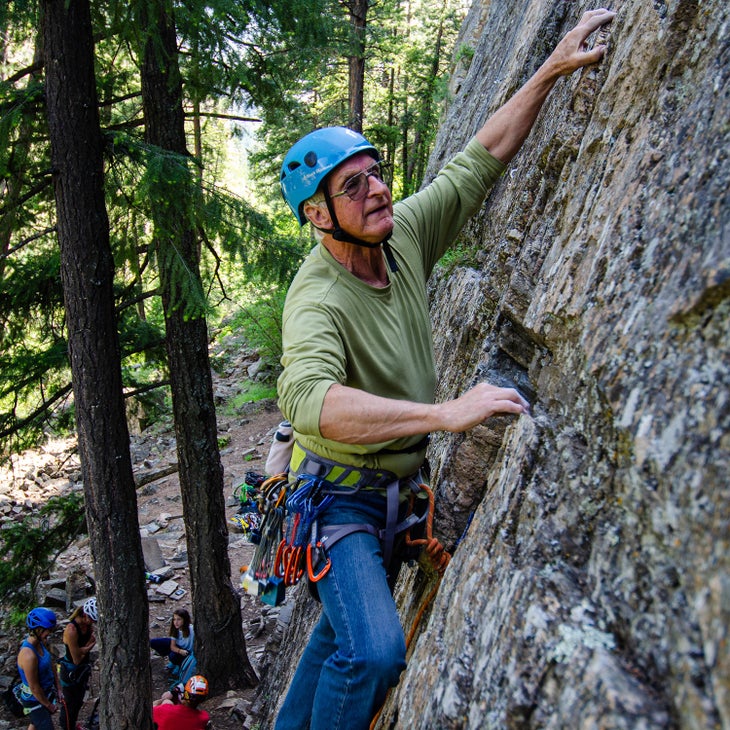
<point>140,144</point>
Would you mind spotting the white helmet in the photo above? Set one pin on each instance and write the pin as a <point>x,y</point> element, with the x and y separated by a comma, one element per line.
<point>90,609</point>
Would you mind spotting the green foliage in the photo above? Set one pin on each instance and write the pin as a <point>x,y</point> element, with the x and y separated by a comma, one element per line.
<point>33,349</point>
<point>407,56</point>
<point>258,246</point>
<point>458,255</point>
<point>284,61</point>
<point>252,393</point>
<point>29,548</point>
<point>258,322</point>
<point>465,54</point>
<point>31,291</point>
<point>253,50</point>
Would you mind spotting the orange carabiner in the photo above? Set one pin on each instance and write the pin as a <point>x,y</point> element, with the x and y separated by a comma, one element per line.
<point>314,577</point>
<point>293,569</point>
<point>280,559</point>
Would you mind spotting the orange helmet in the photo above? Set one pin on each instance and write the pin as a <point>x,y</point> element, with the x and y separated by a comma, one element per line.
<point>196,686</point>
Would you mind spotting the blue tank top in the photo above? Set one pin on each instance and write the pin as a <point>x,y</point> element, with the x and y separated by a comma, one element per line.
<point>45,673</point>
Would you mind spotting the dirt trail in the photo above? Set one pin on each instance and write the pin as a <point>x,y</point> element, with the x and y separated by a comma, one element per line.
<point>245,438</point>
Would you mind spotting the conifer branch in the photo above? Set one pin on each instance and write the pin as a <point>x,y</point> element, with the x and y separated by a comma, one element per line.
<point>23,72</point>
<point>135,300</point>
<point>28,240</point>
<point>146,388</point>
<point>216,115</point>
<point>31,193</point>
<point>43,408</point>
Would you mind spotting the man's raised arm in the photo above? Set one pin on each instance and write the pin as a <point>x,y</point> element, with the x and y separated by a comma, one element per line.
<point>506,130</point>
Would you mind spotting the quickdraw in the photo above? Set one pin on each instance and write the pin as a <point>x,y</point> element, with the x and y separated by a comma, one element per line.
<point>308,500</point>
<point>259,578</point>
<point>315,554</point>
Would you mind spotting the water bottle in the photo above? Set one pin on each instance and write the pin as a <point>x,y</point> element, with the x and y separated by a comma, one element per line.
<point>281,448</point>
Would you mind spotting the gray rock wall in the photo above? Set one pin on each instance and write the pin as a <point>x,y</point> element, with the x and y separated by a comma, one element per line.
<point>589,586</point>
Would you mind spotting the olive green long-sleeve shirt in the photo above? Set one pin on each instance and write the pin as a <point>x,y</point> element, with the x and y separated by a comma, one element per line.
<point>338,329</point>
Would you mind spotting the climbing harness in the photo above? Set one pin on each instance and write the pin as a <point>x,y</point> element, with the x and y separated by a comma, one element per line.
<point>292,543</point>
<point>335,479</point>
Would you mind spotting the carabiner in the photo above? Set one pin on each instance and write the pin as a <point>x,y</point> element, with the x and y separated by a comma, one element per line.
<point>292,569</point>
<point>315,577</point>
<point>280,559</point>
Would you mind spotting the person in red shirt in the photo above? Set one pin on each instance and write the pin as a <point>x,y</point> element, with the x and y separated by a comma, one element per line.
<point>186,715</point>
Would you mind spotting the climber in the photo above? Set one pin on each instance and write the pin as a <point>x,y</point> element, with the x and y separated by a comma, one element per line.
<point>74,669</point>
<point>40,692</point>
<point>359,376</point>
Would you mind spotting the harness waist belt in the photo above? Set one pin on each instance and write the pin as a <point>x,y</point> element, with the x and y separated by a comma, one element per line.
<point>351,478</point>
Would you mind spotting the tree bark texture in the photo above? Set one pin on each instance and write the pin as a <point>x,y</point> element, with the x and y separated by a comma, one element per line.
<point>358,10</point>
<point>220,645</point>
<point>87,276</point>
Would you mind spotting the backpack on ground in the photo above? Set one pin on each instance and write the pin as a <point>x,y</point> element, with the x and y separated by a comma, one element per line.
<point>11,698</point>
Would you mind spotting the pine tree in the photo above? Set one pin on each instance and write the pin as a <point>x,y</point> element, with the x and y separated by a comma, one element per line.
<point>87,271</point>
<point>220,647</point>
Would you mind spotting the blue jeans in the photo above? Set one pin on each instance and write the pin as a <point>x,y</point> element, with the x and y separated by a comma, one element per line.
<point>162,647</point>
<point>357,650</point>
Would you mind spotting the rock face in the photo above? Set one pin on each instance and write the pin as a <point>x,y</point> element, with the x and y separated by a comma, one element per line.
<point>589,585</point>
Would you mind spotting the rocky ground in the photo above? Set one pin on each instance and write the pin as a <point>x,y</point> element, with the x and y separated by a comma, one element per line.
<point>244,434</point>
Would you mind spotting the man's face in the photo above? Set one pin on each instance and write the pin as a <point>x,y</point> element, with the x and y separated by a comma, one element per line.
<point>369,218</point>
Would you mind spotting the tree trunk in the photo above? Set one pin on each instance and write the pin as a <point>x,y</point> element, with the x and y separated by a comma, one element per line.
<point>220,646</point>
<point>87,276</point>
<point>358,10</point>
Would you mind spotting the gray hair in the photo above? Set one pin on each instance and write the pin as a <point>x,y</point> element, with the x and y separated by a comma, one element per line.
<point>317,199</point>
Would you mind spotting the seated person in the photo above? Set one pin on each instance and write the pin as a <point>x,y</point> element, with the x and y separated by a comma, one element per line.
<point>179,642</point>
<point>185,715</point>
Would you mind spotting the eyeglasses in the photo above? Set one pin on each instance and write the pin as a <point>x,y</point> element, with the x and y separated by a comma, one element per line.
<point>358,186</point>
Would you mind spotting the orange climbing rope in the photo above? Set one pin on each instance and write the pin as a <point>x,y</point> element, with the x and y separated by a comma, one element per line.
<point>439,559</point>
<point>434,549</point>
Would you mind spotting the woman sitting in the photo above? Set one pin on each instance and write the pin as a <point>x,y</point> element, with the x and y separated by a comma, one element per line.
<point>179,644</point>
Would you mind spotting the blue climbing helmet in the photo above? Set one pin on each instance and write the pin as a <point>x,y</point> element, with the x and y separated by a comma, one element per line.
<point>41,618</point>
<point>312,158</point>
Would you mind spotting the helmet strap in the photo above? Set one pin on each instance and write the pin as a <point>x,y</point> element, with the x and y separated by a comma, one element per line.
<point>341,235</point>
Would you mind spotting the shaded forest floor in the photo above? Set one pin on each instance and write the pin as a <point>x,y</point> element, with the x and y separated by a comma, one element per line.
<point>244,436</point>
<point>246,439</point>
